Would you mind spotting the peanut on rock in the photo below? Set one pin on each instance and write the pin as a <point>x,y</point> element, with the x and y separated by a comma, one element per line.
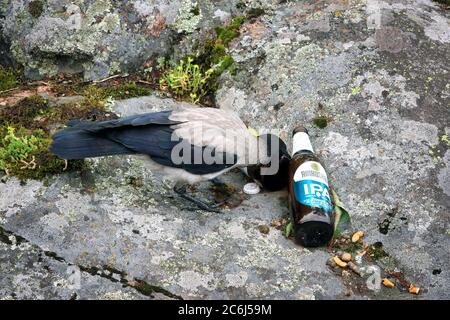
<point>357,235</point>
<point>346,257</point>
<point>339,262</point>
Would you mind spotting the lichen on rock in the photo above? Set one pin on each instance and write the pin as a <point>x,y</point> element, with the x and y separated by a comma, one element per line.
<point>189,16</point>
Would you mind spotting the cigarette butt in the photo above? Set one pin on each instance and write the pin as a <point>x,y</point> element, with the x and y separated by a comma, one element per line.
<point>388,283</point>
<point>414,290</point>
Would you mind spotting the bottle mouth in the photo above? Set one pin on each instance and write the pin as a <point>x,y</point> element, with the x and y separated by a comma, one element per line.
<point>298,129</point>
<point>314,234</point>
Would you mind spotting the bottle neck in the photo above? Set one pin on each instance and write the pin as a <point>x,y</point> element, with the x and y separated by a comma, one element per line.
<point>301,142</point>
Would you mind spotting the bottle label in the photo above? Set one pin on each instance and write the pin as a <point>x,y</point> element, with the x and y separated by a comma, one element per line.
<point>311,186</point>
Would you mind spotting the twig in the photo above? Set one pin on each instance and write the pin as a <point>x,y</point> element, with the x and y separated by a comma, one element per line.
<point>44,83</point>
<point>39,82</point>
<point>144,82</point>
<point>4,91</point>
<point>29,165</point>
<point>111,77</point>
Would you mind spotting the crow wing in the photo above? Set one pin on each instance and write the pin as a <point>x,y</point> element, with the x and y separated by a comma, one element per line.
<point>151,134</point>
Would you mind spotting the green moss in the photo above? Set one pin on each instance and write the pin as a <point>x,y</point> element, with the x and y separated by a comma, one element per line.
<point>127,90</point>
<point>24,112</point>
<point>8,78</point>
<point>25,128</point>
<point>97,95</point>
<point>231,31</point>
<point>320,122</point>
<point>226,62</point>
<point>216,53</point>
<point>226,35</point>
<point>35,8</point>
<point>236,22</point>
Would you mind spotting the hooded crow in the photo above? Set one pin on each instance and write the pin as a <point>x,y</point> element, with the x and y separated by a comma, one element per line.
<point>188,144</point>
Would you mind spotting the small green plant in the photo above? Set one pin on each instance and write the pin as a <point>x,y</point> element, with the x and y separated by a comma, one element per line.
<point>8,78</point>
<point>186,79</point>
<point>17,150</point>
<point>24,154</point>
<point>196,77</point>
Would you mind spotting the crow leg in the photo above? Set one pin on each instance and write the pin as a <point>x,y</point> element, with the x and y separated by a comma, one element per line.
<point>181,191</point>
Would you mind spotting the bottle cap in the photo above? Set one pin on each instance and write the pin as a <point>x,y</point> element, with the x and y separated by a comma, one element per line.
<point>299,128</point>
<point>251,188</point>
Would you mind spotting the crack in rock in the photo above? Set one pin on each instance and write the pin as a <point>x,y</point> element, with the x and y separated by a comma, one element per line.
<point>104,271</point>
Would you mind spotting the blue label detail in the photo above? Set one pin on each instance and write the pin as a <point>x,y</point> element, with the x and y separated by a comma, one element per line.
<point>313,193</point>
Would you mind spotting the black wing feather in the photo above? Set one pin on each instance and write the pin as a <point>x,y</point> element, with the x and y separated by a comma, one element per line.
<point>149,134</point>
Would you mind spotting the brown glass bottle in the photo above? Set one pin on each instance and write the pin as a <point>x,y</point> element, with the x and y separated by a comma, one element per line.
<point>309,199</point>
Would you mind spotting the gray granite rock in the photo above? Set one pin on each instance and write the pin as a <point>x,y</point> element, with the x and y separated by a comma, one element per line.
<point>377,70</point>
<point>100,37</point>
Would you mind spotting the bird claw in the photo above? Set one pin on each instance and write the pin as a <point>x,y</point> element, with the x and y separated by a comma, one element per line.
<point>181,191</point>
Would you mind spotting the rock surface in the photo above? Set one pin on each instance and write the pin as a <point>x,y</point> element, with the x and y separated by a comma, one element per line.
<point>99,38</point>
<point>377,70</point>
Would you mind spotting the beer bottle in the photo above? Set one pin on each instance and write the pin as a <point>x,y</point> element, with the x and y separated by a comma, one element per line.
<point>309,199</point>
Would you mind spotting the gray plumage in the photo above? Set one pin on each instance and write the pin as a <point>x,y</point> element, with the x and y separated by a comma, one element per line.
<point>157,136</point>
